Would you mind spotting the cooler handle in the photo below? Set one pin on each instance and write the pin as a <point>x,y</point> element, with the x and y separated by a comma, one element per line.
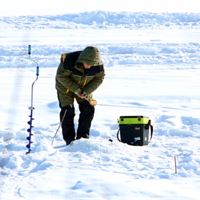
<point>118,135</point>
<point>151,127</point>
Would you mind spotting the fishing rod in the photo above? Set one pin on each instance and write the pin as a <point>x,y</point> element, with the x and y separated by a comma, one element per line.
<point>31,108</point>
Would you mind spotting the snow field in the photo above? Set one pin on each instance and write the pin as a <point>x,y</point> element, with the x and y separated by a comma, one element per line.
<point>175,133</point>
<point>152,69</point>
<point>104,20</point>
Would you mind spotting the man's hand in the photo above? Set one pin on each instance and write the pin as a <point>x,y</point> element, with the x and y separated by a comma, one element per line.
<point>80,93</point>
<point>83,95</point>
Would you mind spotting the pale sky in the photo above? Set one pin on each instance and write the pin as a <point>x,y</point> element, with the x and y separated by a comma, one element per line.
<point>53,7</point>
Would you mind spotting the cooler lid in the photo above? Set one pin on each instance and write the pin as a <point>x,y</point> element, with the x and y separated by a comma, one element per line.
<point>133,120</point>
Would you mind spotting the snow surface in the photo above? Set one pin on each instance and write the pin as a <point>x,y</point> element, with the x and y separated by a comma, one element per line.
<point>152,63</point>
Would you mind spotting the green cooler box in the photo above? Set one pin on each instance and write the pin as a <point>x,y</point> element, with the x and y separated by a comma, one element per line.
<point>135,130</point>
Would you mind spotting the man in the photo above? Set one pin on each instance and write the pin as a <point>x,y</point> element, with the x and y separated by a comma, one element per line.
<point>78,75</point>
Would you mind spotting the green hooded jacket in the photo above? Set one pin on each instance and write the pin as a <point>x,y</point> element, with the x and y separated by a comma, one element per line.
<point>71,75</point>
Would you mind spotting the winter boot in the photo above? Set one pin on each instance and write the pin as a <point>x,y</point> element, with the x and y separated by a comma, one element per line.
<point>68,141</point>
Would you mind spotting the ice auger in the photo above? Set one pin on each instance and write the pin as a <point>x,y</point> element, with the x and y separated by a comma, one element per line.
<point>31,108</point>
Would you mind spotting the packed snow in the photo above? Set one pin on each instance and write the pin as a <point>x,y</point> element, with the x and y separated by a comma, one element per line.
<point>152,64</point>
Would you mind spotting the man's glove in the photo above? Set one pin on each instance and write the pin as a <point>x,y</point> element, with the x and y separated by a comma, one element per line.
<point>81,93</point>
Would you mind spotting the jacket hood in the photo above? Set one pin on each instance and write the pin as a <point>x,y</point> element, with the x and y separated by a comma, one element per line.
<point>91,56</point>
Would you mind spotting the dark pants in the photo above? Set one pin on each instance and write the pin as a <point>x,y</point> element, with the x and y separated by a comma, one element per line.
<point>85,120</point>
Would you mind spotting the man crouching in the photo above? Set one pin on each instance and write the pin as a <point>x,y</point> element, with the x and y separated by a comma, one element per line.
<point>78,75</point>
